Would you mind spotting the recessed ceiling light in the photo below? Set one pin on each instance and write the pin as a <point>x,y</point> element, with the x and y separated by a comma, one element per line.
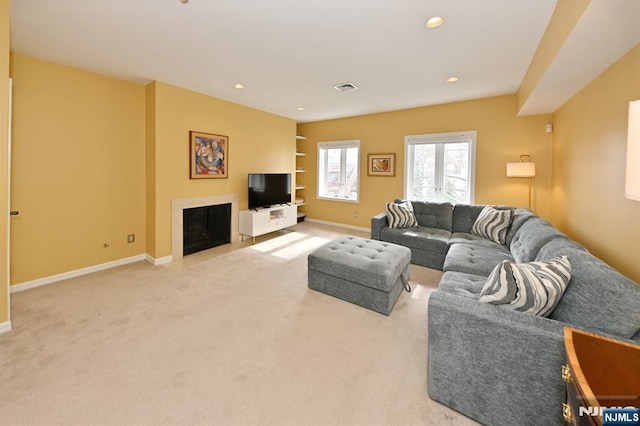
<point>239,86</point>
<point>184,1</point>
<point>300,108</point>
<point>452,79</point>
<point>434,22</point>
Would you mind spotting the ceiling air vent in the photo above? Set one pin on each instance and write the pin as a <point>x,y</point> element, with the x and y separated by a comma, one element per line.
<point>345,87</point>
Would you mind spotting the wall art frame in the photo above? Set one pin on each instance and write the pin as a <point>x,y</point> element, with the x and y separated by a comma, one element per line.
<point>208,155</point>
<point>381,164</point>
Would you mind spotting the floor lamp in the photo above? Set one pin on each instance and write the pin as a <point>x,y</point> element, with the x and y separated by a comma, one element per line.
<point>523,168</point>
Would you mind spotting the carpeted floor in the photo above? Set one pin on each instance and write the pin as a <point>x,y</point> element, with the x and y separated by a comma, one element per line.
<point>230,336</point>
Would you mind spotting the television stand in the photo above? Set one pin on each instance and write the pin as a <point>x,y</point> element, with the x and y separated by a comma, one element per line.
<point>256,222</point>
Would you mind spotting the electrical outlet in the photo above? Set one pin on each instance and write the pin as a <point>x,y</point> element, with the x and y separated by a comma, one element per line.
<point>131,238</point>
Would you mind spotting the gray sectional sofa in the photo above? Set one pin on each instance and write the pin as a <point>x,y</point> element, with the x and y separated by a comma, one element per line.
<point>495,365</point>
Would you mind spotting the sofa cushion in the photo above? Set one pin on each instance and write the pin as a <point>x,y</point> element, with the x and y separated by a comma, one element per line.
<point>433,215</point>
<point>475,259</point>
<point>400,215</point>
<point>492,224</point>
<point>558,247</point>
<point>465,215</point>
<point>598,297</point>
<point>520,216</point>
<point>467,285</point>
<point>534,288</point>
<point>530,238</point>
<point>432,239</point>
<point>468,238</point>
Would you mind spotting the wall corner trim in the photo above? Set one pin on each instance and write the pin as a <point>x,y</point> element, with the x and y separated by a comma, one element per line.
<point>5,327</point>
<point>159,261</point>
<point>76,273</point>
<point>339,225</point>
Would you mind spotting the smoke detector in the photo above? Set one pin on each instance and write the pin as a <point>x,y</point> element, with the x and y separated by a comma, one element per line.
<point>345,87</point>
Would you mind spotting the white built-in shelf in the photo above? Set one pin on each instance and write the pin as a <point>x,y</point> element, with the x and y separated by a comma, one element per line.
<point>299,169</point>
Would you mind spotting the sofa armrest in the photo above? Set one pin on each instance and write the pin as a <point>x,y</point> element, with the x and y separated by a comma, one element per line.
<point>495,365</point>
<point>378,223</point>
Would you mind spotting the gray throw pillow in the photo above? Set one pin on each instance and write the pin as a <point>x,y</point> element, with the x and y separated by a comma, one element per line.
<point>493,224</point>
<point>534,287</point>
<point>400,215</point>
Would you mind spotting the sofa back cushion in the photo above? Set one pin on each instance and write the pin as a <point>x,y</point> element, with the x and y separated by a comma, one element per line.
<point>557,247</point>
<point>465,215</point>
<point>520,216</point>
<point>433,215</point>
<point>529,239</point>
<point>598,298</point>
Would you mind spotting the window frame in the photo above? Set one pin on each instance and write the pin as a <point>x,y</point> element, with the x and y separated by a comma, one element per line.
<point>351,143</point>
<point>410,141</point>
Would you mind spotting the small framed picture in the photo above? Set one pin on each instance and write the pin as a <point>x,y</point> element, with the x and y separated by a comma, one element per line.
<point>209,155</point>
<point>381,164</point>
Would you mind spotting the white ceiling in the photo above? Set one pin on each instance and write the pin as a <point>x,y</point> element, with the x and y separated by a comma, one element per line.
<point>289,53</point>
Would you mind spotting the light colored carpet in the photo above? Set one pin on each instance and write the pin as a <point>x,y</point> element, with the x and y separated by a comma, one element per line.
<point>231,336</point>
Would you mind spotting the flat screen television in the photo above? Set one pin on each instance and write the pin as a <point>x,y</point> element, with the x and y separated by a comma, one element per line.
<point>268,189</point>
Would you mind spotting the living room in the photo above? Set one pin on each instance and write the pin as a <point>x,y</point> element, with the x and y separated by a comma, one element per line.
<point>95,158</point>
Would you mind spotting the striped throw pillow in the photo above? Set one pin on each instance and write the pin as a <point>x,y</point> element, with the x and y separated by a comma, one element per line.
<point>400,215</point>
<point>493,224</point>
<point>534,287</point>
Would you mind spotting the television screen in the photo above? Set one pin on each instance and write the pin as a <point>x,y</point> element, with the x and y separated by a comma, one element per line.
<point>268,189</point>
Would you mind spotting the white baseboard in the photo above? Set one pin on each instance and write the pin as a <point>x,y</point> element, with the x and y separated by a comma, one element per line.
<point>339,225</point>
<point>76,273</point>
<point>159,261</point>
<point>5,327</point>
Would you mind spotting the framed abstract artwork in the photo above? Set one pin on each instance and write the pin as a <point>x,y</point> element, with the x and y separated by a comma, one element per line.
<point>381,164</point>
<point>208,156</point>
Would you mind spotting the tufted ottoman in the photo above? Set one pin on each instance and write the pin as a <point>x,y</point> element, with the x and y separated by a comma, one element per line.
<point>366,272</point>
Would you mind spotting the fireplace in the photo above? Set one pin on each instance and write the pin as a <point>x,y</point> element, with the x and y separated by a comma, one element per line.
<point>178,207</point>
<point>205,227</point>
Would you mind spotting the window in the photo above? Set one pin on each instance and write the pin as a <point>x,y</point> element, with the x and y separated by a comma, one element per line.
<point>339,170</point>
<point>440,167</point>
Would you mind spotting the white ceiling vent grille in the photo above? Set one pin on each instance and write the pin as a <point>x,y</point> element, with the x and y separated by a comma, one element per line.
<point>345,87</point>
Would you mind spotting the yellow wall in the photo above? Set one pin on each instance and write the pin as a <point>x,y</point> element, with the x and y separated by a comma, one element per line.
<point>96,158</point>
<point>150,159</point>
<point>78,169</point>
<point>4,131</point>
<point>589,148</point>
<point>501,138</point>
<point>258,142</point>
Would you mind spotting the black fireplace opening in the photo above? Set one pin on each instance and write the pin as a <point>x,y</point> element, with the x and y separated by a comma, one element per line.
<point>205,227</point>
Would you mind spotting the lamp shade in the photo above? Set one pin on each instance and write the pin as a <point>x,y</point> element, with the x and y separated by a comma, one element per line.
<point>521,169</point>
<point>632,177</point>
